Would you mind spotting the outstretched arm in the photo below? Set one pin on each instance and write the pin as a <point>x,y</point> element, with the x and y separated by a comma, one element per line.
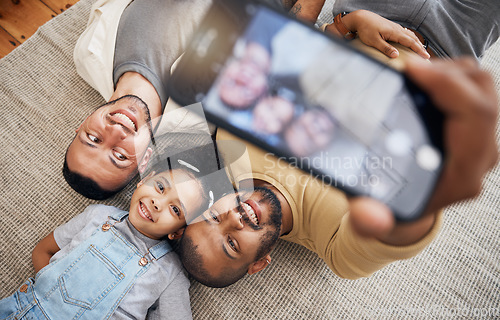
<point>43,251</point>
<point>305,10</point>
<point>467,97</point>
<point>375,31</point>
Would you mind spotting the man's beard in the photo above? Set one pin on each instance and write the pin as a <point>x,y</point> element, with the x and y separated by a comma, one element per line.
<point>268,240</point>
<point>140,105</point>
<point>145,108</point>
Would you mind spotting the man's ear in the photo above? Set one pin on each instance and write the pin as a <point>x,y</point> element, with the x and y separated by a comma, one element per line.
<point>176,235</point>
<point>145,159</point>
<point>140,183</point>
<point>80,126</point>
<point>259,265</point>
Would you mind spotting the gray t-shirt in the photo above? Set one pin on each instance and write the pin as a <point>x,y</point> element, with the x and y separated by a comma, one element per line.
<point>152,35</point>
<point>168,269</point>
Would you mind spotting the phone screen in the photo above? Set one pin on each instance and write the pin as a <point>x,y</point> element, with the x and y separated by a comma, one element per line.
<point>331,111</point>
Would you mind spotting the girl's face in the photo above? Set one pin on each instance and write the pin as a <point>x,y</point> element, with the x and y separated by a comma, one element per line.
<point>161,203</point>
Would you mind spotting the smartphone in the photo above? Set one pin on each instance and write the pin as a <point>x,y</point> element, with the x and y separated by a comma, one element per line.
<point>325,107</point>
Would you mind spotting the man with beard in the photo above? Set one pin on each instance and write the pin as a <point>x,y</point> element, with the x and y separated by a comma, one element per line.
<point>357,236</point>
<point>120,56</point>
<point>216,257</point>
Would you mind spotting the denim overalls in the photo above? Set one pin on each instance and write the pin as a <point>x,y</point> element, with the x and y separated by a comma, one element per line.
<point>87,283</point>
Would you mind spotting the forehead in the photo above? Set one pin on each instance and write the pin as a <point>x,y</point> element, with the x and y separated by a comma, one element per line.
<point>210,249</point>
<point>223,205</point>
<point>187,187</point>
<point>176,176</point>
<point>226,203</point>
<point>94,164</point>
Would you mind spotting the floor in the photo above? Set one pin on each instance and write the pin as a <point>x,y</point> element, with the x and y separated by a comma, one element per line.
<point>19,19</point>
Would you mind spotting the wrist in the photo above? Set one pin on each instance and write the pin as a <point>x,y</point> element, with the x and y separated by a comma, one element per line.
<point>342,28</point>
<point>407,233</point>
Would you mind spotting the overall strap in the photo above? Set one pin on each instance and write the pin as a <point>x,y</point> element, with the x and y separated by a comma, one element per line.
<point>160,249</point>
<point>118,215</point>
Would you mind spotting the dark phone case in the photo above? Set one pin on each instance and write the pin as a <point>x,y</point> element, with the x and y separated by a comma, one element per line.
<point>195,75</point>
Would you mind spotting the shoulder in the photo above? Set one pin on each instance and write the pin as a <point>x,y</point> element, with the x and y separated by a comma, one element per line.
<point>96,214</point>
<point>101,211</point>
<point>171,267</point>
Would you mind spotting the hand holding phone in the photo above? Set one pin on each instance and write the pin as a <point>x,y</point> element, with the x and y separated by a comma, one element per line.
<point>328,109</point>
<point>466,94</point>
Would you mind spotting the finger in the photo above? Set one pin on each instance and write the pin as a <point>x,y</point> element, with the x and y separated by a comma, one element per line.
<point>370,218</point>
<point>448,83</point>
<point>410,40</point>
<point>384,47</point>
<point>441,81</point>
<point>411,34</point>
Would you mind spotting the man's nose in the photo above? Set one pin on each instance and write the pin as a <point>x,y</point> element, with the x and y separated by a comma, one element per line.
<point>234,219</point>
<point>116,131</point>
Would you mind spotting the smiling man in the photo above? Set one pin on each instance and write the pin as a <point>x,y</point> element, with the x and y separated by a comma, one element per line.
<point>235,235</point>
<point>113,141</point>
<point>105,147</point>
<point>358,236</point>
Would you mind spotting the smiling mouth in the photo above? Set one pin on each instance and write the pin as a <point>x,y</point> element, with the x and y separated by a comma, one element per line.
<point>144,212</point>
<point>126,121</point>
<point>250,213</point>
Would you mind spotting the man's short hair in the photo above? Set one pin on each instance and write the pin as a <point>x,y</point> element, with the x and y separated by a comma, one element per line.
<point>86,186</point>
<point>193,263</point>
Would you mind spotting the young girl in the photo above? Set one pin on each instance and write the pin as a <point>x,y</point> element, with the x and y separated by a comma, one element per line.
<point>108,263</point>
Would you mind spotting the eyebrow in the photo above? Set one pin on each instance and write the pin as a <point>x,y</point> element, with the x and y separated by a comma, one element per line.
<point>86,142</point>
<point>113,161</point>
<point>183,208</point>
<point>165,180</point>
<point>172,185</point>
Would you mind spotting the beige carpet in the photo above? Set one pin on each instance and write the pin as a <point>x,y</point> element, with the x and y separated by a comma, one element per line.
<point>43,100</point>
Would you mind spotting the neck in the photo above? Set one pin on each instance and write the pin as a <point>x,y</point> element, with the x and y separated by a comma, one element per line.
<point>286,209</point>
<point>135,84</point>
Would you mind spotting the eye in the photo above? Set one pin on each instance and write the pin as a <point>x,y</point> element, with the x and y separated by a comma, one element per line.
<point>93,138</point>
<point>119,156</point>
<point>160,186</point>
<point>176,210</point>
<point>214,216</point>
<point>232,244</point>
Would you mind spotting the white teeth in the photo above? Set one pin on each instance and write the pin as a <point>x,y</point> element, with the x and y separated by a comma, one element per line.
<point>146,213</point>
<point>126,119</point>
<point>251,213</point>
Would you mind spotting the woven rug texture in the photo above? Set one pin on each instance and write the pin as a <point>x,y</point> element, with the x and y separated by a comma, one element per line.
<point>43,102</point>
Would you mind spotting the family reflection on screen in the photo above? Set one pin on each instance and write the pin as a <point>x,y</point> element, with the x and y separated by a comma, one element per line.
<point>297,91</point>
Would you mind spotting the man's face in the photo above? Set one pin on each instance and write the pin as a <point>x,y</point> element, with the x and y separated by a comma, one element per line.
<point>231,233</point>
<point>245,79</point>
<point>311,132</point>
<point>161,204</point>
<point>272,114</point>
<point>110,142</point>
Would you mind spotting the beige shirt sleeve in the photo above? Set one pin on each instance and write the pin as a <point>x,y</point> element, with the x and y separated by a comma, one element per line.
<point>320,217</point>
<point>95,49</point>
<point>352,256</point>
